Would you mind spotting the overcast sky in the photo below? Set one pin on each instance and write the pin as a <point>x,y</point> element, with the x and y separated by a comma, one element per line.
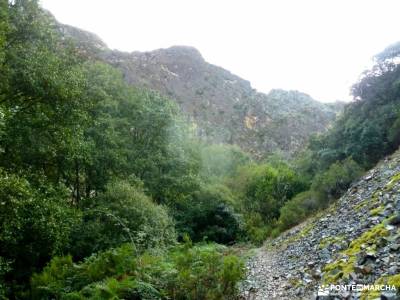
<point>315,46</point>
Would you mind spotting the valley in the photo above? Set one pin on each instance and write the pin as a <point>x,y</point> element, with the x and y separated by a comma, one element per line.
<point>159,176</point>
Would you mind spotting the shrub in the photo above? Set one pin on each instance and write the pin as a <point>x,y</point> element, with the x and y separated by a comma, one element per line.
<point>265,188</point>
<point>35,223</point>
<point>208,215</point>
<point>4,269</point>
<point>122,214</point>
<point>186,272</point>
<point>219,161</point>
<point>297,209</point>
<point>256,229</point>
<point>335,181</point>
<point>204,272</point>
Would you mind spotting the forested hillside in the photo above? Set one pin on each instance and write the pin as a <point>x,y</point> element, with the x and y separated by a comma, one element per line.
<point>107,191</point>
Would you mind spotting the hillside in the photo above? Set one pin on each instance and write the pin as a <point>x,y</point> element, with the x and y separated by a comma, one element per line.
<point>355,241</point>
<point>223,107</point>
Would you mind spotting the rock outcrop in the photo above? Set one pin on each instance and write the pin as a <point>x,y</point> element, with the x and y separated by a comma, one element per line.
<point>222,106</point>
<point>354,242</point>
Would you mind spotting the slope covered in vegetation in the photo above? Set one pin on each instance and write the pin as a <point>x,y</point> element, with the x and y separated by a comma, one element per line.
<point>106,192</point>
<point>355,241</point>
<point>89,164</point>
<point>367,131</point>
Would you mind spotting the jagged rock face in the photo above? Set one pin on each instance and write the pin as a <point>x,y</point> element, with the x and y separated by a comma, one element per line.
<point>222,106</point>
<point>225,107</point>
<point>354,242</point>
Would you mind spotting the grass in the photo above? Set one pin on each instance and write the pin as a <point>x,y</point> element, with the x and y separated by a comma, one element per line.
<point>325,242</point>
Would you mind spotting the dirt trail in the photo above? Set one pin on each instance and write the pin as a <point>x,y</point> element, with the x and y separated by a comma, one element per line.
<point>270,273</point>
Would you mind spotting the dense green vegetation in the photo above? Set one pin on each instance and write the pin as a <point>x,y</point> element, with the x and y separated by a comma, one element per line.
<point>105,193</point>
<point>367,131</point>
<point>186,272</point>
<point>91,165</point>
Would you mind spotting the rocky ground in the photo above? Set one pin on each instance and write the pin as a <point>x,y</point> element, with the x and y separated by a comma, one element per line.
<point>356,241</point>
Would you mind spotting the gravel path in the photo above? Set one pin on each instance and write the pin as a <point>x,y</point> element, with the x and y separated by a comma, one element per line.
<point>270,274</point>
<point>292,266</point>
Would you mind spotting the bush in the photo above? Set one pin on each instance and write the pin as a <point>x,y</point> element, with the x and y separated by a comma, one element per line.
<point>265,188</point>
<point>336,180</point>
<point>326,187</point>
<point>204,272</point>
<point>4,269</point>
<point>186,272</point>
<point>35,223</point>
<point>122,214</point>
<point>208,215</point>
<point>256,229</point>
<point>297,209</point>
<point>219,161</point>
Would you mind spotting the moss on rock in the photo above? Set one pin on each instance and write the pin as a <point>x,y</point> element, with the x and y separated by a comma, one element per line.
<point>376,211</point>
<point>393,280</point>
<point>395,179</point>
<point>325,242</point>
<point>342,267</point>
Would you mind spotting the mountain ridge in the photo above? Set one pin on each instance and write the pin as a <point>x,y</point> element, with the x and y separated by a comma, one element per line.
<point>223,107</point>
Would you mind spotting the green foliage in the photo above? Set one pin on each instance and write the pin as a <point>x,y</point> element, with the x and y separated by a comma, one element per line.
<point>34,224</point>
<point>204,272</point>
<point>266,188</point>
<point>335,181</point>
<point>4,269</point>
<point>221,161</point>
<point>123,213</point>
<point>136,132</point>
<point>185,272</point>
<point>256,228</point>
<point>298,208</point>
<point>83,155</point>
<point>209,215</point>
<point>263,190</point>
<point>325,188</point>
<point>3,28</point>
<point>368,128</point>
<point>83,123</point>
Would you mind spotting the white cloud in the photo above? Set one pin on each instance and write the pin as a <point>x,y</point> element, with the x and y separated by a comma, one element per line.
<point>315,46</point>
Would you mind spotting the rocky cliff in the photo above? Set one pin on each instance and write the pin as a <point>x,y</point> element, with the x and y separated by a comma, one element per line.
<point>222,106</point>
<point>356,241</point>
<point>225,107</point>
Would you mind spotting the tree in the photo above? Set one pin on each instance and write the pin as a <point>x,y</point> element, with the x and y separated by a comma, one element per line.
<point>35,224</point>
<point>122,214</point>
<point>265,188</point>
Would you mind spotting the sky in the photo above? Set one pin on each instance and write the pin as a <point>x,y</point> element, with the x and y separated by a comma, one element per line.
<point>319,47</point>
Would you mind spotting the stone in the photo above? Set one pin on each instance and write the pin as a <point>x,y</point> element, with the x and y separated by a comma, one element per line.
<point>369,177</point>
<point>311,264</point>
<point>366,257</point>
<point>316,274</point>
<point>395,220</point>
<point>393,270</point>
<point>389,295</point>
<point>390,227</point>
<point>300,263</point>
<point>367,269</point>
<point>353,276</point>
<point>395,247</point>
